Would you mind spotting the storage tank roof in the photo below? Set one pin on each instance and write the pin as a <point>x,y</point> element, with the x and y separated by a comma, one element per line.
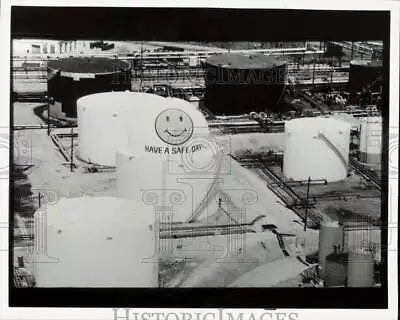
<point>119,98</point>
<point>371,120</point>
<point>311,124</point>
<point>354,122</point>
<point>146,104</point>
<point>88,65</point>
<point>240,61</point>
<point>367,63</point>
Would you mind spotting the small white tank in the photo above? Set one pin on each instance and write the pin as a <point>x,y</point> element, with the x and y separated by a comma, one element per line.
<point>330,235</point>
<point>96,242</point>
<point>316,148</point>
<point>360,270</point>
<point>104,120</point>
<point>371,140</point>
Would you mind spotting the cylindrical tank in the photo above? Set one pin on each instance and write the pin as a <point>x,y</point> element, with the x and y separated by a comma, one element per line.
<point>171,159</point>
<point>71,78</point>
<point>371,140</point>
<point>316,148</point>
<point>104,120</point>
<point>96,242</point>
<point>238,84</point>
<point>330,235</point>
<point>360,268</point>
<point>335,273</point>
<point>364,73</point>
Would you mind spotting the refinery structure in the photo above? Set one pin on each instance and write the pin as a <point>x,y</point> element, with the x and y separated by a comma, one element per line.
<point>164,164</point>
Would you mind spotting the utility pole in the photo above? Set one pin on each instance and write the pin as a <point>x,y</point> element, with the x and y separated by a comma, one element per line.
<point>72,149</point>
<point>352,50</point>
<point>141,66</point>
<point>308,193</point>
<point>313,73</point>
<point>48,115</point>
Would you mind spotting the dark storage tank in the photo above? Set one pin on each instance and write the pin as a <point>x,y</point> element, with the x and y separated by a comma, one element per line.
<point>364,73</point>
<point>71,78</point>
<point>238,84</point>
<point>335,274</point>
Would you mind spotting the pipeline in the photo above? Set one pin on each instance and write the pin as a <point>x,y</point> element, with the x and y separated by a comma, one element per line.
<point>60,147</point>
<point>204,233</point>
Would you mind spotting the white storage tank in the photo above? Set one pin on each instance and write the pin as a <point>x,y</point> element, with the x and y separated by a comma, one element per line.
<point>316,148</point>
<point>371,140</point>
<point>104,120</point>
<point>172,156</point>
<point>96,242</point>
<point>330,235</point>
<point>360,272</point>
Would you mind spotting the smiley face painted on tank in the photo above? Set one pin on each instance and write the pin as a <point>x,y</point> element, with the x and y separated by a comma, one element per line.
<point>174,126</point>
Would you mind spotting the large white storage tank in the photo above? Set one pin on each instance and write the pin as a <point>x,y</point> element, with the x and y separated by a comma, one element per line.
<point>316,148</point>
<point>371,140</point>
<point>96,242</point>
<point>174,159</point>
<point>104,120</point>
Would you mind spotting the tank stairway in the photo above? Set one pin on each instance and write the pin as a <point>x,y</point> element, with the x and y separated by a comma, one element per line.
<point>211,193</point>
<point>253,161</point>
<point>280,242</point>
<point>189,230</point>
<point>343,160</point>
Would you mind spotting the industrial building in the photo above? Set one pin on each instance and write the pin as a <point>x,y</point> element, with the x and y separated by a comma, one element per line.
<point>254,168</point>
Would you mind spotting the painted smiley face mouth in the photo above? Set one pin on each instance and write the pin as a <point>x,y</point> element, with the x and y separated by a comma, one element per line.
<point>177,134</point>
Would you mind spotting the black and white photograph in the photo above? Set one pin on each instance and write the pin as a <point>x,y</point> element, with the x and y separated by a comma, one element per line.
<point>168,163</point>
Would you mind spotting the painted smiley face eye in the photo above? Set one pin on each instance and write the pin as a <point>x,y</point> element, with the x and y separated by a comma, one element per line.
<point>180,118</point>
<point>167,118</point>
